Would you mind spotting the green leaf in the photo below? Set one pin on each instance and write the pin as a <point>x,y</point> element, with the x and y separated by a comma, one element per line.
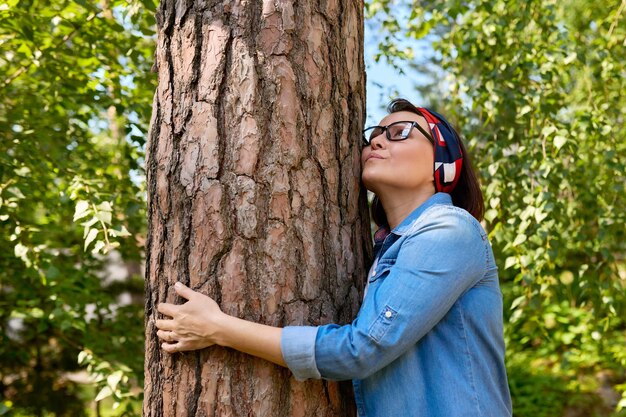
<point>21,252</point>
<point>82,357</point>
<point>114,379</point>
<point>104,212</point>
<point>123,232</point>
<point>540,215</point>
<point>98,246</point>
<point>82,210</point>
<point>23,171</point>
<point>570,58</point>
<point>559,141</point>
<point>524,110</point>
<point>16,192</point>
<point>111,246</point>
<point>5,406</point>
<point>491,214</point>
<point>548,130</point>
<point>104,206</point>
<point>622,403</point>
<point>521,238</point>
<point>90,237</point>
<point>90,223</point>
<point>104,216</point>
<point>517,302</point>
<point>104,393</point>
<point>36,313</point>
<point>510,261</point>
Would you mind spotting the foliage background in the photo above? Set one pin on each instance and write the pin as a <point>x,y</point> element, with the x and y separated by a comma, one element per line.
<point>536,87</point>
<point>75,89</point>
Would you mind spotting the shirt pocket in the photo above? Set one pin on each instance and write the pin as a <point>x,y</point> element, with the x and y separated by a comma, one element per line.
<point>382,269</point>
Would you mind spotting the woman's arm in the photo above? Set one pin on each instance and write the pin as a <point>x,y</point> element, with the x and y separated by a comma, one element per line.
<point>200,323</point>
<point>436,263</point>
<point>434,267</point>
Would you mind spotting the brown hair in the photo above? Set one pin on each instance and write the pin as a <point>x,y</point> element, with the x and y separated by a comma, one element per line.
<point>466,195</point>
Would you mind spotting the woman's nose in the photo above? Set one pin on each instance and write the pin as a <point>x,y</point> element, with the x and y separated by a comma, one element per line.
<point>378,141</point>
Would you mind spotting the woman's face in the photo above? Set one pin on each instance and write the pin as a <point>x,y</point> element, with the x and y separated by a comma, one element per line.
<point>405,165</point>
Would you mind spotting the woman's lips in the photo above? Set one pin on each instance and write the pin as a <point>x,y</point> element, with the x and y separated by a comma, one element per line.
<point>374,156</point>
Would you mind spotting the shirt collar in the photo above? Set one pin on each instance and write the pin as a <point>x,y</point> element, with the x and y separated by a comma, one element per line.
<point>437,198</point>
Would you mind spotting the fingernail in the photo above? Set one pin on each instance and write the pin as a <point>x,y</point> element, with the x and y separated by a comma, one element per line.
<point>178,285</point>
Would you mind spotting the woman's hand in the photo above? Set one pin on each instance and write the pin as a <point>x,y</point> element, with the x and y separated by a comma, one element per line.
<point>194,325</point>
<point>200,323</point>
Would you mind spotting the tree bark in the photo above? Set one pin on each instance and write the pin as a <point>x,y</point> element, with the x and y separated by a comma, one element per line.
<point>254,192</point>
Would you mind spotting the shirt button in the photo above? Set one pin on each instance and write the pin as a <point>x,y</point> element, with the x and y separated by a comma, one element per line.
<point>373,272</point>
<point>388,314</point>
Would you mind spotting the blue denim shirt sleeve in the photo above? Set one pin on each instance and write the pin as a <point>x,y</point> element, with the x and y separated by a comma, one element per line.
<point>442,256</point>
<point>297,344</point>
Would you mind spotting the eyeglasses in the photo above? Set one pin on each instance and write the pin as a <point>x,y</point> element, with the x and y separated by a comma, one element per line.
<point>395,131</point>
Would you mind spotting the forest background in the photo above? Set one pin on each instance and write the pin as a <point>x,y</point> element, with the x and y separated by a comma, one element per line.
<point>536,87</point>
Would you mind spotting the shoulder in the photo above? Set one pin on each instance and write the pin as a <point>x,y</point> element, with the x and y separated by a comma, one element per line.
<point>445,238</point>
<point>447,222</point>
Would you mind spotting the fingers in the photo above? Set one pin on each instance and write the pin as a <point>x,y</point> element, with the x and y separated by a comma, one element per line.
<point>167,328</point>
<point>173,342</point>
<point>170,343</point>
<point>184,291</point>
<point>171,347</point>
<point>167,336</point>
<point>171,309</point>
<point>165,324</point>
<point>170,340</point>
<point>181,346</point>
<point>167,309</point>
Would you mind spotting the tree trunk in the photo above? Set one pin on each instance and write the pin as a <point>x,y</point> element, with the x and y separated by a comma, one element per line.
<point>254,192</point>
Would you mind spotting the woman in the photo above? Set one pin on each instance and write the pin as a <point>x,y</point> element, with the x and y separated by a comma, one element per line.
<point>427,340</point>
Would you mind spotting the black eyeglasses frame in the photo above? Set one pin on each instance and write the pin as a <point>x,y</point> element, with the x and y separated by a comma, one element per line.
<point>385,129</point>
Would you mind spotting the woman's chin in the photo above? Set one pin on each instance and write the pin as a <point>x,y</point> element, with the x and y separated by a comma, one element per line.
<point>369,182</point>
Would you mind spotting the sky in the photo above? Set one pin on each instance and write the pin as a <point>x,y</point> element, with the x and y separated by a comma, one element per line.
<point>383,80</point>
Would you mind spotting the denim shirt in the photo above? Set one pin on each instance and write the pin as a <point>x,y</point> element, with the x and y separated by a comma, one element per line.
<point>427,340</point>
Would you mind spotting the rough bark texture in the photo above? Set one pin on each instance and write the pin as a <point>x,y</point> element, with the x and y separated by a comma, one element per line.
<point>254,192</point>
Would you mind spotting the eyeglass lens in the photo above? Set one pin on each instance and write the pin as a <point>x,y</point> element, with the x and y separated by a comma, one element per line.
<point>394,131</point>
